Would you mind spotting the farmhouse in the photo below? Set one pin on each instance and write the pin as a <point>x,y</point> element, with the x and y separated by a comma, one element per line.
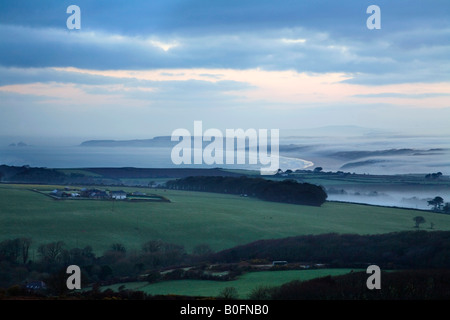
<point>92,193</point>
<point>35,286</point>
<point>98,194</point>
<point>118,195</point>
<point>56,193</point>
<point>59,194</point>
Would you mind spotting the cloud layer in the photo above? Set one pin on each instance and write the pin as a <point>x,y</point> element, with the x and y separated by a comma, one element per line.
<point>233,63</point>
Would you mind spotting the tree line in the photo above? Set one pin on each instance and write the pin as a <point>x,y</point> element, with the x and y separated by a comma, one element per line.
<point>19,265</point>
<point>417,250</point>
<point>399,285</point>
<point>29,174</point>
<point>286,191</point>
<point>407,249</point>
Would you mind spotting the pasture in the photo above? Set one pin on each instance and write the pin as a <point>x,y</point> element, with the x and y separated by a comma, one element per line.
<point>244,284</point>
<point>222,221</point>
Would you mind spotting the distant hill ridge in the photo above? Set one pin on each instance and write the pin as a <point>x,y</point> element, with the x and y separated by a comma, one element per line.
<point>154,142</point>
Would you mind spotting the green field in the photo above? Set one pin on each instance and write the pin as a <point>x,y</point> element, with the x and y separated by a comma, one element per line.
<point>244,284</point>
<point>192,218</point>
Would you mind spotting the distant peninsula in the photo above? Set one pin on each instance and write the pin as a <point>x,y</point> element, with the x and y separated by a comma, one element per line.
<point>161,141</point>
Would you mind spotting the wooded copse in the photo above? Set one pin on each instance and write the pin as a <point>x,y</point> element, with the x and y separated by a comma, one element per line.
<point>397,250</point>
<point>286,191</point>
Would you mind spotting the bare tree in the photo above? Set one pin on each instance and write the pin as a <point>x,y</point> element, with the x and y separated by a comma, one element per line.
<point>229,293</point>
<point>118,247</point>
<point>52,251</point>
<point>26,243</point>
<point>152,246</point>
<point>10,249</point>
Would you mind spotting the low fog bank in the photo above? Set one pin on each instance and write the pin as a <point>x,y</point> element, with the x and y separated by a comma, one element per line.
<point>374,155</point>
<point>407,199</point>
<point>336,148</point>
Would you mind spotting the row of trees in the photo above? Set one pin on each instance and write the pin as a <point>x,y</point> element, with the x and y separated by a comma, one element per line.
<point>408,249</point>
<point>399,285</point>
<point>287,191</point>
<point>15,250</point>
<point>17,266</point>
<point>400,250</point>
<point>30,174</point>
<point>433,176</point>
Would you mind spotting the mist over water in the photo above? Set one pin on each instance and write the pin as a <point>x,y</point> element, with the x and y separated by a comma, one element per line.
<point>359,154</point>
<point>379,154</point>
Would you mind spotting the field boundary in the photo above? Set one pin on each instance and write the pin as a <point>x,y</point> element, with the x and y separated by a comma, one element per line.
<point>381,206</point>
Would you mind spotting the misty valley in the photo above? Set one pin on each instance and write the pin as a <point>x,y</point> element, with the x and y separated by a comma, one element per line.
<point>357,164</point>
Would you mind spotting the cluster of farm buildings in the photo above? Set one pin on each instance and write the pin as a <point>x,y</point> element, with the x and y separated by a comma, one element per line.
<point>93,194</point>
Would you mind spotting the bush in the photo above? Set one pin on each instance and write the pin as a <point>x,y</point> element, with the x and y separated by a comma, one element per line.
<point>15,291</point>
<point>262,293</point>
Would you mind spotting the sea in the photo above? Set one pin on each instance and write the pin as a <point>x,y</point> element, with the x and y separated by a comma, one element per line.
<point>370,155</point>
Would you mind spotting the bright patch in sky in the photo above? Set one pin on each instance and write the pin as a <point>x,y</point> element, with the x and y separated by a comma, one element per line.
<point>293,40</point>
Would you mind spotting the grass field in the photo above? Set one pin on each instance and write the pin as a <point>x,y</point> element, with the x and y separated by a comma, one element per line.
<point>244,284</point>
<point>192,218</point>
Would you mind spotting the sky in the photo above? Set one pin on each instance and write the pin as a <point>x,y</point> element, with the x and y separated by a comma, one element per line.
<point>139,69</point>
